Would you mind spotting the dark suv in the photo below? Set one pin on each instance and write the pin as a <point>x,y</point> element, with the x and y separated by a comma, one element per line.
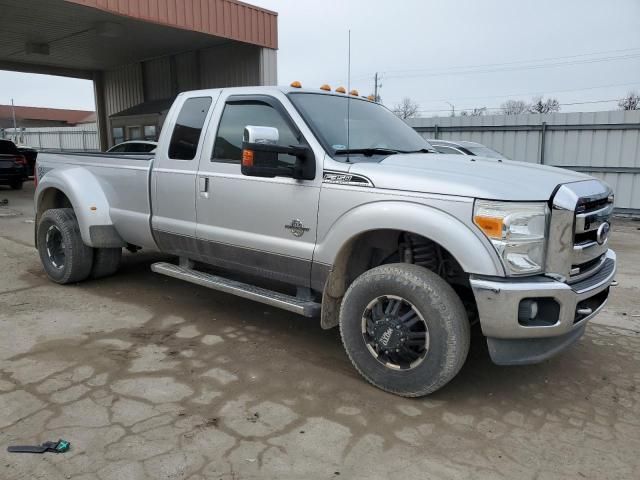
<point>13,165</point>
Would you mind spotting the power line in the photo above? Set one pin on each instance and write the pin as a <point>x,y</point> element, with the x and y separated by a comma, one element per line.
<point>513,62</point>
<point>545,59</point>
<point>547,92</point>
<point>500,108</point>
<point>524,67</point>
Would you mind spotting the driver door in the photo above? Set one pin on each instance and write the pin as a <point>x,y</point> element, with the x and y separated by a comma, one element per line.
<point>262,226</point>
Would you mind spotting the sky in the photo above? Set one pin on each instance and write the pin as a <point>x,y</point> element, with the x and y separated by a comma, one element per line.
<point>443,54</point>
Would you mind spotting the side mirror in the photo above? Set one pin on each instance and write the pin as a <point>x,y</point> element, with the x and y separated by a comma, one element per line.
<point>260,152</point>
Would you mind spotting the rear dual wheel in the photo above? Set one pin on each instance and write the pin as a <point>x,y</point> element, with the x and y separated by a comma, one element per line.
<point>404,329</point>
<point>65,257</point>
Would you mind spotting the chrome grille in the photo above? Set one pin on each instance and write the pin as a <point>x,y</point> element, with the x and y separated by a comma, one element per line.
<point>578,211</point>
<point>588,253</point>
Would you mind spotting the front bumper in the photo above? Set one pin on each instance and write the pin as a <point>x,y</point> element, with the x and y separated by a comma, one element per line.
<point>513,342</point>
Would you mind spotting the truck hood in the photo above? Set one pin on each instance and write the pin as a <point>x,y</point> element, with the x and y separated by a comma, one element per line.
<point>466,176</point>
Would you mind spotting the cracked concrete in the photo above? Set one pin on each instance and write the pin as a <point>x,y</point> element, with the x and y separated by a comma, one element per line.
<point>152,378</point>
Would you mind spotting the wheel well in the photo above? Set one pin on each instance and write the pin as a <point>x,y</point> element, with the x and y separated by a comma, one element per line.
<point>50,198</point>
<point>378,247</point>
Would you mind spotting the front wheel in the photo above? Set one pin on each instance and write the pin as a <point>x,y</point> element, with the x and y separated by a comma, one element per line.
<point>405,329</point>
<point>64,256</point>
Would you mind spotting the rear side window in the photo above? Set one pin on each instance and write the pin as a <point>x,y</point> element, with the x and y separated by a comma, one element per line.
<point>188,129</point>
<point>236,116</point>
<point>8,147</point>
<point>118,149</point>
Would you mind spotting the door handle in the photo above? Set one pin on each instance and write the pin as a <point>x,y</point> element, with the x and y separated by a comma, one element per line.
<point>203,186</point>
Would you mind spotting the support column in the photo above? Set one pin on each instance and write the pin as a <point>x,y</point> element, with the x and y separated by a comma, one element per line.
<point>104,137</point>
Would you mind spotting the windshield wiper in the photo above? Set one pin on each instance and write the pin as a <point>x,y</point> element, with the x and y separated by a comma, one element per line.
<point>368,151</point>
<point>422,150</point>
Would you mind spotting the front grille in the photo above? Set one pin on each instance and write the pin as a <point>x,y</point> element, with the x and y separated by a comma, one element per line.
<point>575,254</point>
<point>586,206</point>
<point>588,252</point>
<point>585,237</point>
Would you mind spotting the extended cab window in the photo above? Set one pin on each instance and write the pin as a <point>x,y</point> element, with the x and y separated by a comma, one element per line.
<point>186,133</point>
<point>236,116</point>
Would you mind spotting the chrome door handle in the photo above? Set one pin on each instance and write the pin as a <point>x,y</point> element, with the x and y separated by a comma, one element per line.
<point>203,187</point>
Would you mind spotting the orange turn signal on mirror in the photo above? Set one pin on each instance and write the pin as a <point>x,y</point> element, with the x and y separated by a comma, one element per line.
<point>247,158</point>
<point>491,226</point>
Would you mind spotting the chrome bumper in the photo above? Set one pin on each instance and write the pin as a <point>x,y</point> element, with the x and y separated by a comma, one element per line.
<point>498,301</point>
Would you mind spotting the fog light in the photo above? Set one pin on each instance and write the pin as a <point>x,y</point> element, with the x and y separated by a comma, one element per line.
<point>527,310</point>
<point>538,312</point>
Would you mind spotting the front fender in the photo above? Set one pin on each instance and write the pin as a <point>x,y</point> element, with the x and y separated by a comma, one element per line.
<point>88,201</point>
<point>472,251</point>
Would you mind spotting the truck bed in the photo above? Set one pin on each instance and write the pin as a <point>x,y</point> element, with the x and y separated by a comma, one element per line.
<point>124,179</point>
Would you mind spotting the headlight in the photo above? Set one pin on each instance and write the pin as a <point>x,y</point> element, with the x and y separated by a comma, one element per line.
<point>517,231</point>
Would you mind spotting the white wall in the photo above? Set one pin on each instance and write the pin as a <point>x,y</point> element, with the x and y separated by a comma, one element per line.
<point>80,137</point>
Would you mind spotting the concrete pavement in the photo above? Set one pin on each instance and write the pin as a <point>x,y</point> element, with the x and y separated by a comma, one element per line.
<point>149,377</point>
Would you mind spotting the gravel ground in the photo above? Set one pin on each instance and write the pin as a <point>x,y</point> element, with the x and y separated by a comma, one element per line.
<point>149,377</point>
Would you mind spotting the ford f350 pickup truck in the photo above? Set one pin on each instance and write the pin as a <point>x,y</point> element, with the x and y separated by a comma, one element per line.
<point>327,205</point>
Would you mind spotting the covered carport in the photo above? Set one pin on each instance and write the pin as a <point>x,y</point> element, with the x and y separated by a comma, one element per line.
<point>140,53</point>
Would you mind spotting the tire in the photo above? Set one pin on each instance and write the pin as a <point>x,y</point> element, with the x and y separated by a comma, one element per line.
<point>16,185</point>
<point>106,262</point>
<point>440,326</point>
<point>76,259</point>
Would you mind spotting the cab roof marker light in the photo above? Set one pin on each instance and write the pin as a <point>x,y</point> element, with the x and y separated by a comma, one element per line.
<point>341,90</point>
<point>325,87</point>
<point>354,92</point>
<point>296,84</point>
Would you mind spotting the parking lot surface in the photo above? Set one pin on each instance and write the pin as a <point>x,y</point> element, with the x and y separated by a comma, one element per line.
<point>149,377</point>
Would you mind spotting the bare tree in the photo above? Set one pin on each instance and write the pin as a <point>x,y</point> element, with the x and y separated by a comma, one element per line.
<point>539,105</point>
<point>630,102</point>
<point>474,112</point>
<point>514,107</point>
<point>407,109</point>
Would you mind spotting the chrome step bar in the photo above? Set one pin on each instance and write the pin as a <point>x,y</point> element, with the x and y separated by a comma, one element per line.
<point>293,304</point>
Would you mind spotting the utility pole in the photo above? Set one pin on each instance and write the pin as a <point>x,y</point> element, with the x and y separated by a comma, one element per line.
<point>453,109</point>
<point>376,88</point>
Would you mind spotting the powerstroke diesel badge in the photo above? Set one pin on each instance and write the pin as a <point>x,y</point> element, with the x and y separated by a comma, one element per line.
<point>297,228</point>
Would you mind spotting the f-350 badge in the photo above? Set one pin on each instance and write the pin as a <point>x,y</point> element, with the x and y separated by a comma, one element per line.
<point>296,227</point>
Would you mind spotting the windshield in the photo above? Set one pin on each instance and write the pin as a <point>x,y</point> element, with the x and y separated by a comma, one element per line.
<point>482,151</point>
<point>374,132</point>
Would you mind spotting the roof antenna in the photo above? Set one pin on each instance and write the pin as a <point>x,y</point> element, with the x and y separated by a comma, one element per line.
<point>348,95</point>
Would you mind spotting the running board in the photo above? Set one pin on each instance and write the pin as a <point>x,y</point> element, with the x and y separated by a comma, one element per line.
<point>305,308</point>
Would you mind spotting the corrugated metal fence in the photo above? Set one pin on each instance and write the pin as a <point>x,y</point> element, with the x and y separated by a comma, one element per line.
<point>602,144</point>
<point>80,137</point>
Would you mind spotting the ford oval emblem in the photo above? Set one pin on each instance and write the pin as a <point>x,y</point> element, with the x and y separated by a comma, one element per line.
<point>603,233</point>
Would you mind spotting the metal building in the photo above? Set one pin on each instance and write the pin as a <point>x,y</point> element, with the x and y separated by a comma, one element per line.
<point>140,53</point>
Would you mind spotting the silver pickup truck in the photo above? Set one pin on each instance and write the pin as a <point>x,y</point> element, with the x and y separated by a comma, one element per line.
<point>327,205</point>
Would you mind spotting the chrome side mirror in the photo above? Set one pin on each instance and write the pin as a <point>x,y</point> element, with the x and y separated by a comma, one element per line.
<point>261,135</point>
